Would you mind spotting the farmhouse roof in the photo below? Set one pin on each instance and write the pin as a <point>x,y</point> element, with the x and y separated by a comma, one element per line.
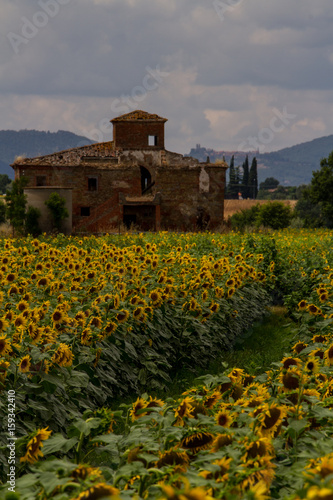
<point>139,115</point>
<point>73,156</point>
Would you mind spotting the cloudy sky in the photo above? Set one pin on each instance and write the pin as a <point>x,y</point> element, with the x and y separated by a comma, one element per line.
<point>228,74</point>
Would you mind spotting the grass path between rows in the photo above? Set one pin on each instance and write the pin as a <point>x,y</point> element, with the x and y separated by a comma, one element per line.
<point>266,342</point>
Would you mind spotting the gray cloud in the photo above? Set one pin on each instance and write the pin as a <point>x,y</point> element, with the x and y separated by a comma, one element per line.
<point>225,77</point>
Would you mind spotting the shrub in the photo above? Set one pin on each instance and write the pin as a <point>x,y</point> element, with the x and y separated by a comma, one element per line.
<point>244,218</point>
<point>2,212</point>
<point>275,215</point>
<point>31,221</point>
<point>56,205</point>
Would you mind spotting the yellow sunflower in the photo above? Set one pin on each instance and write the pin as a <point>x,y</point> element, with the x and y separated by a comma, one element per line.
<point>290,379</point>
<point>33,451</point>
<point>197,439</point>
<point>289,361</point>
<point>173,457</point>
<point>258,469</point>
<point>318,493</point>
<point>225,418</point>
<point>96,322</point>
<point>312,309</point>
<point>297,348</point>
<point>24,365</point>
<point>312,364</point>
<point>302,305</point>
<point>98,491</point>
<point>84,471</point>
<point>5,347</point>
<point>156,297</point>
<point>261,447</point>
<point>19,321</point>
<point>139,405</point>
<point>86,337</point>
<point>110,328</point>
<point>220,441</point>
<point>270,418</point>
<point>57,316</point>
<point>3,324</point>
<point>329,356</point>
<point>63,356</point>
<point>122,316</point>
<point>184,409</point>
<point>221,474</point>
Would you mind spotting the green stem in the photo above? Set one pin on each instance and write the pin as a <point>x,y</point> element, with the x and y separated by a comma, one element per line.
<point>79,448</point>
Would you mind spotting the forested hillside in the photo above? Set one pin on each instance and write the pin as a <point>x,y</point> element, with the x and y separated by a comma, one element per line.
<point>32,143</point>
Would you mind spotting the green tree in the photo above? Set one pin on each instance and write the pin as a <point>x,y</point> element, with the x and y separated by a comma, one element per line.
<point>16,205</point>
<point>269,183</point>
<point>5,181</point>
<point>253,179</point>
<point>245,181</point>
<point>316,203</point>
<point>56,205</point>
<point>233,186</point>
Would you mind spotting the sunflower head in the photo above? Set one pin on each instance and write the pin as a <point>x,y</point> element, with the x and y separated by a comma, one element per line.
<point>220,441</point>
<point>24,365</point>
<point>312,364</point>
<point>34,445</point>
<point>197,439</point>
<point>137,407</point>
<point>5,347</point>
<point>329,356</point>
<point>184,409</point>
<point>173,457</point>
<point>271,420</point>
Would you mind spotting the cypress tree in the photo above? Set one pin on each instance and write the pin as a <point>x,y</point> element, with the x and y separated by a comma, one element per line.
<point>253,179</point>
<point>233,186</point>
<point>245,182</point>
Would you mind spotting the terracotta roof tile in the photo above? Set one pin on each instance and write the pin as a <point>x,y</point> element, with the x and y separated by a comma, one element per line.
<point>139,115</point>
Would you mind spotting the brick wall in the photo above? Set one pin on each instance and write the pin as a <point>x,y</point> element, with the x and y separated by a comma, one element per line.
<point>191,193</point>
<point>135,134</point>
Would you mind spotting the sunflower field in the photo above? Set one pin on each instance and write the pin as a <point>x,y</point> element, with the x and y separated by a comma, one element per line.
<point>87,322</point>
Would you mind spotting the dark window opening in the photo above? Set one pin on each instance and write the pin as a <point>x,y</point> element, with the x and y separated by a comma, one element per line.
<point>85,211</point>
<point>152,140</point>
<point>145,179</point>
<point>40,180</point>
<point>92,184</point>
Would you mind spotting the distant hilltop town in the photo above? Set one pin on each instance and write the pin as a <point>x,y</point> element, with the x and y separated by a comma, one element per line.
<point>201,154</point>
<point>292,166</point>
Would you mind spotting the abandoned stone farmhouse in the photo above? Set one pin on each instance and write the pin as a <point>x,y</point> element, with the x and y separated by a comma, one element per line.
<point>130,180</point>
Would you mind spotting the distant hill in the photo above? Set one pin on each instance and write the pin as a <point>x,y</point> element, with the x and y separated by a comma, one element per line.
<point>291,166</point>
<point>33,143</point>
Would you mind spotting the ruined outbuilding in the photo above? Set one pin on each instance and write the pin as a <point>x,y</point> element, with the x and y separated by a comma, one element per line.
<point>132,180</point>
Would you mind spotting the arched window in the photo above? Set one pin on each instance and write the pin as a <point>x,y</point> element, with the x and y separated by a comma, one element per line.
<point>145,179</point>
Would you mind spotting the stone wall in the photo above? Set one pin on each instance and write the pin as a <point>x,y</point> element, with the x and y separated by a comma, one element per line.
<point>192,197</point>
